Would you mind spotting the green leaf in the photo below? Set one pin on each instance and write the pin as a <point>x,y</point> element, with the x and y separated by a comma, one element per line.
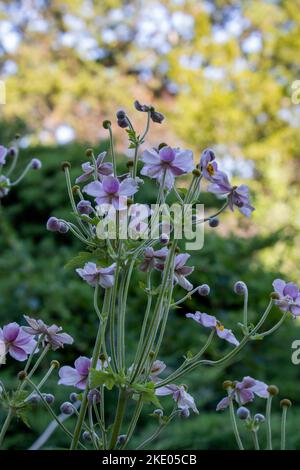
<point>147,393</point>
<point>101,377</point>
<point>97,256</point>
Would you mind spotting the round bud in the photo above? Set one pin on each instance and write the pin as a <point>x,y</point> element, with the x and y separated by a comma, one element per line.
<point>73,397</point>
<point>177,249</point>
<point>121,114</point>
<point>103,357</point>
<point>240,288</point>
<point>285,403</point>
<point>162,145</point>
<point>11,152</point>
<point>196,172</point>
<point>66,166</point>
<point>129,164</point>
<point>164,239</point>
<point>129,201</point>
<point>213,222</point>
<point>55,364</point>
<point>204,290</point>
<point>273,390</point>
<point>151,354</point>
<point>86,436</point>
<point>123,123</point>
<point>75,188</point>
<point>63,228</point>
<point>106,124</point>
<point>53,224</point>
<point>94,396</point>
<point>275,295</point>
<point>227,384</point>
<point>89,153</point>
<point>259,418</point>
<point>34,399</point>
<point>243,413</point>
<point>67,408</point>
<point>22,375</point>
<point>49,398</point>
<point>185,413</point>
<point>121,439</point>
<point>84,207</point>
<point>158,412</point>
<point>36,164</point>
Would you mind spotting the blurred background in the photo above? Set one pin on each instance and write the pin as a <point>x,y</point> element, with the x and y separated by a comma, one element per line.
<point>222,73</point>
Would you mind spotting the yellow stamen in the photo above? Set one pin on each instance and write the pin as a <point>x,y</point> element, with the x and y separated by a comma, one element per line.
<point>210,169</point>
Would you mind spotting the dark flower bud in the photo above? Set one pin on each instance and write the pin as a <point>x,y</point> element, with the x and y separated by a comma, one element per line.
<point>157,117</point>
<point>129,201</point>
<point>177,249</point>
<point>22,375</point>
<point>240,288</point>
<point>86,436</point>
<point>73,397</point>
<point>75,188</point>
<point>259,418</point>
<point>151,354</point>
<point>158,412</point>
<point>213,222</point>
<point>121,114</point>
<point>84,207</point>
<point>63,228</point>
<point>67,408</point>
<point>227,384</point>
<point>106,124</point>
<point>204,290</point>
<point>49,398</point>
<point>53,224</point>
<point>36,164</point>
<point>164,238</point>
<point>55,364</point>
<point>11,152</point>
<point>196,172</point>
<point>243,413</point>
<point>162,145</point>
<point>94,396</point>
<point>103,357</point>
<point>273,390</point>
<point>121,439</point>
<point>66,166</point>
<point>89,153</point>
<point>123,123</point>
<point>34,399</point>
<point>130,163</point>
<point>286,403</point>
<point>275,295</point>
<point>141,107</point>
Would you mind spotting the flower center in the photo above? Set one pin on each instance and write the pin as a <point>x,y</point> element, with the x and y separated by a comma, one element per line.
<point>210,169</point>
<point>166,155</point>
<point>111,185</point>
<point>219,326</point>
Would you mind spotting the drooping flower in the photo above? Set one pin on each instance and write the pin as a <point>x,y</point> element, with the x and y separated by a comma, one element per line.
<point>18,343</point>
<point>103,169</point>
<point>183,399</point>
<point>237,195</point>
<point>289,296</point>
<point>167,163</point>
<point>151,258</point>
<point>112,191</point>
<point>52,335</point>
<point>56,225</point>
<point>3,154</point>
<point>36,164</point>
<point>84,207</point>
<point>77,376</point>
<point>181,271</point>
<point>4,186</point>
<point>155,115</point>
<point>209,321</point>
<point>156,369</point>
<point>209,166</point>
<point>244,392</point>
<point>94,275</point>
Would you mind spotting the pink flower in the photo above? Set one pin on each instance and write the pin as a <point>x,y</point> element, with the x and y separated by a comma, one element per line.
<point>18,343</point>
<point>151,258</point>
<point>289,296</point>
<point>209,166</point>
<point>77,376</point>
<point>209,321</point>
<point>112,191</point>
<point>53,334</point>
<point>94,275</point>
<point>244,392</point>
<point>167,163</point>
<point>180,271</point>
<point>183,399</point>
<point>103,169</point>
<point>3,154</point>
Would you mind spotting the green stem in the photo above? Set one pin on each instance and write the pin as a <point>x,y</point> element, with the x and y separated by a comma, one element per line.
<point>112,150</point>
<point>133,422</point>
<point>283,427</point>
<point>119,418</point>
<point>268,420</point>
<point>6,425</point>
<point>255,440</point>
<point>234,425</point>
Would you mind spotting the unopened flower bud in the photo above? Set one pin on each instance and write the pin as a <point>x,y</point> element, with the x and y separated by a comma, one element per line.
<point>204,290</point>
<point>161,145</point>
<point>22,375</point>
<point>259,418</point>
<point>164,239</point>
<point>94,396</point>
<point>213,222</point>
<point>86,436</point>
<point>53,224</point>
<point>36,164</point>
<point>275,295</point>
<point>73,397</point>
<point>11,152</point>
<point>121,114</point>
<point>89,153</point>
<point>75,189</point>
<point>285,403</point>
<point>66,166</point>
<point>49,398</point>
<point>55,364</point>
<point>130,163</point>
<point>67,408</point>
<point>196,172</point>
<point>227,384</point>
<point>34,399</point>
<point>129,201</point>
<point>273,390</point>
<point>240,288</point>
<point>84,207</point>
<point>151,354</point>
<point>243,413</point>
<point>121,439</point>
<point>63,228</point>
<point>123,123</point>
<point>106,124</point>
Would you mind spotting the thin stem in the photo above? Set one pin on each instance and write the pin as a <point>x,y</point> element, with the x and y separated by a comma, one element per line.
<point>283,427</point>
<point>255,440</point>
<point>234,425</point>
<point>275,327</point>
<point>6,425</point>
<point>22,175</point>
<point>158,431</point>
<point>112,150</point>
<point>245,311</point>
<point>133,422</point>
<point>268,422</point>
<point>119,418</point>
